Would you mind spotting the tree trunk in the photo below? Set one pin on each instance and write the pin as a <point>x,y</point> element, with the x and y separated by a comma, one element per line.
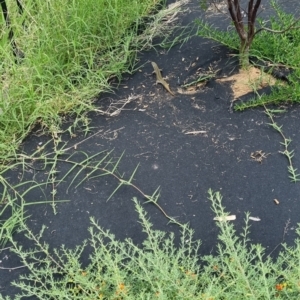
<point>246,35</point>
<point>244,54</point>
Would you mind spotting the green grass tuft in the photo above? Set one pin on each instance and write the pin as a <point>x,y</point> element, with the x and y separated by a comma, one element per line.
<point>72,50</point>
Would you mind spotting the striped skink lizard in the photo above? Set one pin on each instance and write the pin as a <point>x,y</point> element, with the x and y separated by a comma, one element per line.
<point>159,78</point>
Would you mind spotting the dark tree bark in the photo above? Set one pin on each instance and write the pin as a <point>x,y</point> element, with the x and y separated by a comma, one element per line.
<point>246,33</point>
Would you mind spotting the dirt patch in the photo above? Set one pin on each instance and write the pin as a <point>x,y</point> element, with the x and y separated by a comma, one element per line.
<point>247,81</point>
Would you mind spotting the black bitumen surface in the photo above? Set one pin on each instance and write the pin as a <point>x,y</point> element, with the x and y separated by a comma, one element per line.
<point>151,130</point>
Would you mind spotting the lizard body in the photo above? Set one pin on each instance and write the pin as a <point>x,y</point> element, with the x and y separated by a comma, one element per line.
<point>159,78</point>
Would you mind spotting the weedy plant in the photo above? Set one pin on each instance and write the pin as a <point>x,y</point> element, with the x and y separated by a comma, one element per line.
<point>270,42</point>
<point>79,167</point>
<point>294,176</point>
<point>160,268</point>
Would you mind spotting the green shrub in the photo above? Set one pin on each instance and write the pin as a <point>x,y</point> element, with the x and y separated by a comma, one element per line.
<point>159,268</point>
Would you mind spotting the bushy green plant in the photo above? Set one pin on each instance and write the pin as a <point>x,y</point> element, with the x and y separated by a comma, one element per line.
<point>160,268</point>
<point>117,269</point>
